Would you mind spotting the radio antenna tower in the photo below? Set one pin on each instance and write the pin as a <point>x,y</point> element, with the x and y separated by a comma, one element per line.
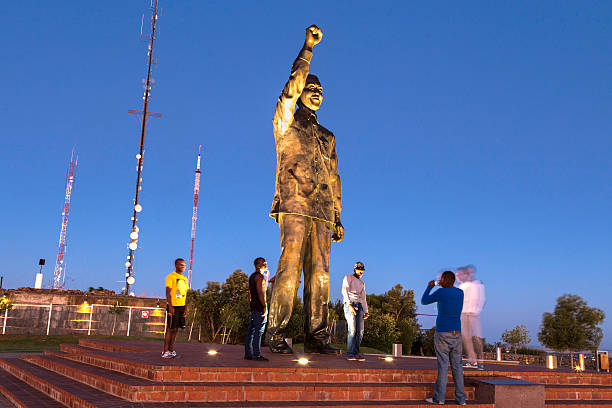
<point>196,193</point>
<point>58,280</point>
<point>129,279</point>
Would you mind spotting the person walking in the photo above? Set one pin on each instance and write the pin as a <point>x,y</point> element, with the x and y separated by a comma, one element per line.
<point>473,303</point>
<point>447,338</point>
<point>259,311</point>
<point>355,310</point>
<point>176,308</point>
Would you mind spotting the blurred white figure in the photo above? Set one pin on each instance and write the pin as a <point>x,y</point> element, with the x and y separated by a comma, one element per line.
<point>473,302</point>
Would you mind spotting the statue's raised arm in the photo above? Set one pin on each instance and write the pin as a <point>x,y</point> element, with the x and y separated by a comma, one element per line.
<point>283,116</point>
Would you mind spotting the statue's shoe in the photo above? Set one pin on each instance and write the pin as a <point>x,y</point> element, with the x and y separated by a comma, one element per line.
<point>280,346</point>
<point>321,348</point>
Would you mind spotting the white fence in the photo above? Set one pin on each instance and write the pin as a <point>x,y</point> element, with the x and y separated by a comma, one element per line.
<point>93,319</point>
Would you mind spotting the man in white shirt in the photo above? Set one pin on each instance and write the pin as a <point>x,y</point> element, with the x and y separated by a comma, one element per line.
<point>355,310</point>
<point>473,302</point>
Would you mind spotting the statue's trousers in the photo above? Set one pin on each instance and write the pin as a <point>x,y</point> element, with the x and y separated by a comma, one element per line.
<point>305,243</point>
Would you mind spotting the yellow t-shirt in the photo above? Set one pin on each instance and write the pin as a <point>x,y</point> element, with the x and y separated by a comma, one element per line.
<point>177,282</point>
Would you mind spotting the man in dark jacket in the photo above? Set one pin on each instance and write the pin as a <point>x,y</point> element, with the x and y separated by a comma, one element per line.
<point>259,311</point>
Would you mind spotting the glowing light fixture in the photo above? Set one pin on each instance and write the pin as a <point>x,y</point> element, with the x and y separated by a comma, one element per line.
<point>127,264</point>
<point>212,352</point>
<point>134,235</point>
<point>388,358</point>
<point>138,156</point>
<point>130,280</point>
<point>302,361</point>
<point>84,308</point>
<point>138,208</point>
<point>133,245</point>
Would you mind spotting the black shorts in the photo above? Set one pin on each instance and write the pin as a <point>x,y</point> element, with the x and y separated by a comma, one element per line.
<point>177,320</point>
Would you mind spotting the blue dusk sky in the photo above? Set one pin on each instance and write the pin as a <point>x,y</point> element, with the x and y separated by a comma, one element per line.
<point>467,132</point>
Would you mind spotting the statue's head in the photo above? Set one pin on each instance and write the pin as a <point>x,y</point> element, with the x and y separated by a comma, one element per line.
<point>312,95</point>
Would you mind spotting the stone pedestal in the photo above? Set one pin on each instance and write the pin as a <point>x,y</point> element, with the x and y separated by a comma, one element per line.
<point>509,392</point>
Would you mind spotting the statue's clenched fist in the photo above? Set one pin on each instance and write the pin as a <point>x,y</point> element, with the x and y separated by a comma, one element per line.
<point>313,36</point>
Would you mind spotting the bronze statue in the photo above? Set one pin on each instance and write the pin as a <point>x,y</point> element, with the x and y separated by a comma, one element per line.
<point>307,204</point>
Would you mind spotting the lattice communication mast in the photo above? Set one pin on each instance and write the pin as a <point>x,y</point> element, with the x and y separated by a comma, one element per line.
<point>196,193</point>
<point>144,113</point>
<point>58,278</point>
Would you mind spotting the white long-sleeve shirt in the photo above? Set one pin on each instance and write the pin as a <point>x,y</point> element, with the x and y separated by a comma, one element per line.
<point>473,296</point>
<point>353,290</point>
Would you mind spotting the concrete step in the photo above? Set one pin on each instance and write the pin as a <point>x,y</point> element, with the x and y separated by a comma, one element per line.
<point>136,389</point>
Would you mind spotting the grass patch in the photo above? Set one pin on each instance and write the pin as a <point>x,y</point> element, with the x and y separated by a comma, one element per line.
<point>12,343</point>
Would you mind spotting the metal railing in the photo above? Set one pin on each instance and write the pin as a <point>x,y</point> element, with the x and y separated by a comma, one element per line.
<point>65,319</point>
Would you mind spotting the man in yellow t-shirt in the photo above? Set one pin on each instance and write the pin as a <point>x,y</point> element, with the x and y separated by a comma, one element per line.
<point>176,295</point>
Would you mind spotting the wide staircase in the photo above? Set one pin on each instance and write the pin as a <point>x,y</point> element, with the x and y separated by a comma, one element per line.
<point>98,374</point>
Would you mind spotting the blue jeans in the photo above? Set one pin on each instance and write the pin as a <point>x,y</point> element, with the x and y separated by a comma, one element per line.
<point>355,329</point>
<point>257,325</point>
<point>448,347</point>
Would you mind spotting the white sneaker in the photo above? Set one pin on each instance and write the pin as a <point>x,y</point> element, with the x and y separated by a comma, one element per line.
<point>470,365</point>
<point>166,354</point>
<point>173,354</point>
<point>431,401</point>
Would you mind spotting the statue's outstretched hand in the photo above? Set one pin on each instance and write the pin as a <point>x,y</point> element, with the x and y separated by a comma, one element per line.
<point>338,234</point>
<point>313,36</point>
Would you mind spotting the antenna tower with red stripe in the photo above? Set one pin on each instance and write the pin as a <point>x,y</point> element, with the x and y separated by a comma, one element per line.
<point>196,193</point>
<point>58,278</point>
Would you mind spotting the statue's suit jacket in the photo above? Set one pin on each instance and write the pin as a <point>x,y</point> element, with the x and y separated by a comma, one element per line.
<point>307,179</point>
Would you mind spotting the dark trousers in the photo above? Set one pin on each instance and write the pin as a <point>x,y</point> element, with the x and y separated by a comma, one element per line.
<point>257,325</point>
<point>305,244</point>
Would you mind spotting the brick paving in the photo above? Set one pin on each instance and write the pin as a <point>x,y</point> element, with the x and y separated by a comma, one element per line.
<point>195,355</point>
<point>4,403</point>
<point>135,389</point>
<point>20,392</point>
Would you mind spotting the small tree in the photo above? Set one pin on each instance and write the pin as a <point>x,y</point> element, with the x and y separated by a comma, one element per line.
<point>116,310</point>
<point>380,332</point>
<point>572,326</point>
<point>399,303</point>
<point>517,337</point>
